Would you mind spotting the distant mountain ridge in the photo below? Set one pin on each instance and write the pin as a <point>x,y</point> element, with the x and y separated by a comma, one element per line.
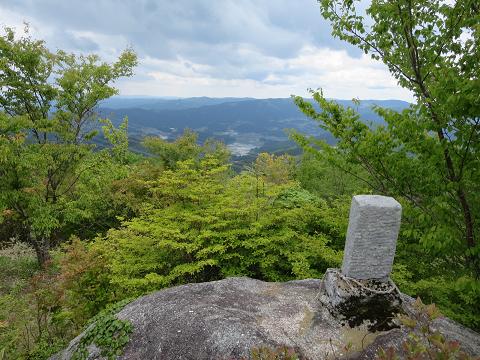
<point>246,125</point>
<point>153,103</point>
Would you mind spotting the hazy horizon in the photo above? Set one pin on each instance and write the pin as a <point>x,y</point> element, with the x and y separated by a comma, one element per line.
<point>167,97</point>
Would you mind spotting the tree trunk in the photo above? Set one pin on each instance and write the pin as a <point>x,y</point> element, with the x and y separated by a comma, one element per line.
<point>43,256</point>
<point>42,247</point>
<point>469,232</point>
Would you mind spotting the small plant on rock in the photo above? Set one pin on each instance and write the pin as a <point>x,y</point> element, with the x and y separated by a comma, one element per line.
<point>278,353</point>
<point>107,332</point>
<point>424,341</point>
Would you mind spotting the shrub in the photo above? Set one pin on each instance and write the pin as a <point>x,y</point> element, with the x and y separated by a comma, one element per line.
<point>40,311</point>
<point>202,225</point>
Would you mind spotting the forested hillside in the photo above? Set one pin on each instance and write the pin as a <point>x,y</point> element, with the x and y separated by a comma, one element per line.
<point>87,220</point>
<point>246,126</point>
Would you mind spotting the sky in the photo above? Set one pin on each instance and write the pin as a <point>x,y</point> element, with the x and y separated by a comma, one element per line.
<point>216,48</point>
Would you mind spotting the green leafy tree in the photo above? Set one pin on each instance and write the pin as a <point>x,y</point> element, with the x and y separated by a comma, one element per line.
<point>326,180</point>
<point>118,138</point>
<point>169,153</point>
<point>428,154</point>
<point>274,169</point>
<point>184,147</point>
<point>129,194</point>
<point>47,119</point>
<point>200,224</point>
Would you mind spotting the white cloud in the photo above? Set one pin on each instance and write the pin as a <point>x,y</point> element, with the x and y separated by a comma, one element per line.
<point>17,21</point>
<point>218,48</point>
<point>338,74</point>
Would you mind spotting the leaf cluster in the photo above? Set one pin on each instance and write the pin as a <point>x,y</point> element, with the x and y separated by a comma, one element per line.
<point>107,332</point>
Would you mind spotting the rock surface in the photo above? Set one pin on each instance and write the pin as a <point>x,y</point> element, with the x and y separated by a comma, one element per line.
<point>226,319</point>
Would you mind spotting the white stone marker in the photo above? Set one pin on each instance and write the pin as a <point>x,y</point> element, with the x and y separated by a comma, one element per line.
<point>371,237</point>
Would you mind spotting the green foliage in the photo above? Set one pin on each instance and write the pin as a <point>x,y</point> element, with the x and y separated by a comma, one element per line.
<point>84,282</point>
<point>32,326</point>
<point>181,216</point>
<point>27,301</point>
<point>326,179</point>
<point>40,311</point>
<point>90,209</point>
<point>424,342</point>
<point>185,147</point>
<point>394,165</point>
<point>118,138</point>
<point>107,332</point>
<point>128,194</point>
<point>192,223</point>
<point>426,154</point>
<point>169,153</point>
<point>47,118</point>
<point>457,297</point>
<point>17,265</point>
<point>202,225</point>
<point>274,169</point>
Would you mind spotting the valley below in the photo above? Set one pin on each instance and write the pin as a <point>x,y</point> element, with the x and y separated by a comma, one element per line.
<point>247,126</point>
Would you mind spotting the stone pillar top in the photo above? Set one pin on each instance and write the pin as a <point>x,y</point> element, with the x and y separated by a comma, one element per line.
<point>377,201</point>
<point>371,237</point>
